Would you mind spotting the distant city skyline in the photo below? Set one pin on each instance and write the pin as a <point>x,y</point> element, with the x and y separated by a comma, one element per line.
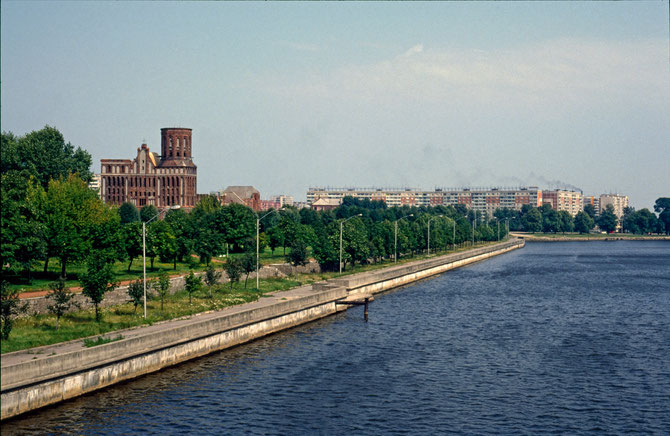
<point>287,96</point>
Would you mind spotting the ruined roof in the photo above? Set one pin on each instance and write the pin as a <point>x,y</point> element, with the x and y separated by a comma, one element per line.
<point>242,191</point>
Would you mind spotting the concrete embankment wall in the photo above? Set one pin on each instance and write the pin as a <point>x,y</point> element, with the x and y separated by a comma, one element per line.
<point>46,379</point>
<point>40,377</point>
<point>379,281</point>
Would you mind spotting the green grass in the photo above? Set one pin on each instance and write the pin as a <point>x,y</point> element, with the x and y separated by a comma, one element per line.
<point>39,280</point>
<point>39,330</point>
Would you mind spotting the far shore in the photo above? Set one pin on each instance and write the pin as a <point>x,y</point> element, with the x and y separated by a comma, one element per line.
<point>576,237</point>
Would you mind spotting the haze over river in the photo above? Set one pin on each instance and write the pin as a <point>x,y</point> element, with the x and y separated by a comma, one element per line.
<point>555,337</point>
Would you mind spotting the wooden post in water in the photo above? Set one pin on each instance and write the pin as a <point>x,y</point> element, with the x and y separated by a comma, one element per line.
<point>365,313</point>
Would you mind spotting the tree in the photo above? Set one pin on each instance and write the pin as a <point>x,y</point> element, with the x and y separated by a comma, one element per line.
<point>136,293</point>
<point>128,213</point>
<point>70,213</point>
<point>550,219</point>
<point>274,238</point>
<point>148,213</point>
<point>662,207</point>
<point>607,221</point>
<point>62,299</point>
<point>355,241</point>
<point>233,269</point>
<point>566,222</point>
<point>532,221</point>
<point>590,211</point>
<point>131,237</point>
<point>298,254</point>
<point>192,284</point>
<point>248,264</point>
<point>238,223</point>
<point>23,241</point>
<point>642,222</point>
<point>326,248</point>
<point>45,155</point>
<point>212,277</point>
<point>10,308</point>
<point>164,242</point>
<point>97,280</point>
<point>180,227</point>
<point>162,286</point>
<point>583,222</point>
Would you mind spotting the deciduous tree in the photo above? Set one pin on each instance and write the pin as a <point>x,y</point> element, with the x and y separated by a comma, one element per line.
<point>193,284</point>
<point>583,222</point>
<point>97,280</point>
<point>10,308</point>
<point>62,300</point>
<point>136,293</point>
<point>607,221</point>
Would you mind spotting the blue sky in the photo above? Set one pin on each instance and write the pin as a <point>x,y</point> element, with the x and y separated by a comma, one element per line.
<point>284,96</point>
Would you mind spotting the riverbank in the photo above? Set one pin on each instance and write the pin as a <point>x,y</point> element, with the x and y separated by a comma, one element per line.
<point>46,375</point>
<point>534,237</point>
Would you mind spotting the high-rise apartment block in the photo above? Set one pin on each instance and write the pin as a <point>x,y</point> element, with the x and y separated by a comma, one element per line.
<point>164,180</point>
<point>482,200</point>
<point>618,202</point>
<point>570,201</point>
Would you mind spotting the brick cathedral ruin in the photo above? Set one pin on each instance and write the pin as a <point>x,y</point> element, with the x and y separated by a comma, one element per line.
<point>164,180</point>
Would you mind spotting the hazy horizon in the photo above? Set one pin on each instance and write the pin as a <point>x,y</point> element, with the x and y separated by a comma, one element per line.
<point>287,96</point>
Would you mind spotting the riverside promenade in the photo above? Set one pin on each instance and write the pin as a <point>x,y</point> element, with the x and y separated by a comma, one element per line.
<point>41,376</point>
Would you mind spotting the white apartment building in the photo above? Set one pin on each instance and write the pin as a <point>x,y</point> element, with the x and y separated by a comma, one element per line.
<point>619,202</point>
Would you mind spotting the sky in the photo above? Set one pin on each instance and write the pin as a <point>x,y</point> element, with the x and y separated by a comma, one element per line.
<point>285,96</point>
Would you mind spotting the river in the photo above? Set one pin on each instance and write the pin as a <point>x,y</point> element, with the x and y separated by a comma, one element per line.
<point>553,338</point>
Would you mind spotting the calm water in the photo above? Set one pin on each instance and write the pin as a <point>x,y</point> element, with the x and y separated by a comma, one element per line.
<point>554,338</point>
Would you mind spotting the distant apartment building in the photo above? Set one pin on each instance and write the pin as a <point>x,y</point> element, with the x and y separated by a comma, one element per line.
<point>482,200</point>
<point>593,201</point>
<point>282,200</point>
<point>570,201</point>
<point>164,180</point>
<point>277,202</point>
<point>618,202</point>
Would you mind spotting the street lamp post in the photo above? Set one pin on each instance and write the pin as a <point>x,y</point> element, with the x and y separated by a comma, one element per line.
<point>144,252</point>
<point>395,256</point>
<point>431,219</point>
<point>341,230</point>
<point>498,224</point>
<point>258,225</point>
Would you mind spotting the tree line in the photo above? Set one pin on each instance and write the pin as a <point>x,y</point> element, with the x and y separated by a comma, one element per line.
<point>547,220</point>
<point>48,212</point>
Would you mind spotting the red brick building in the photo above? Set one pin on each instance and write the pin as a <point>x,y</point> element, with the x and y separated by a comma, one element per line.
<point>168,179</point>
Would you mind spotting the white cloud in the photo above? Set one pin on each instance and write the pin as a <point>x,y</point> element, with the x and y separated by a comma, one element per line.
<point>560,72</point>
<point>414,50</point>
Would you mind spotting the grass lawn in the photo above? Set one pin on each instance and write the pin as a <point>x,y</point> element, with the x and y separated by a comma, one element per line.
<point>40,280</point>
<point>38,330</point>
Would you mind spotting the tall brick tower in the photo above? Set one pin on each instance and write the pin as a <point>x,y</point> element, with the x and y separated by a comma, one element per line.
<point>179,181</point>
